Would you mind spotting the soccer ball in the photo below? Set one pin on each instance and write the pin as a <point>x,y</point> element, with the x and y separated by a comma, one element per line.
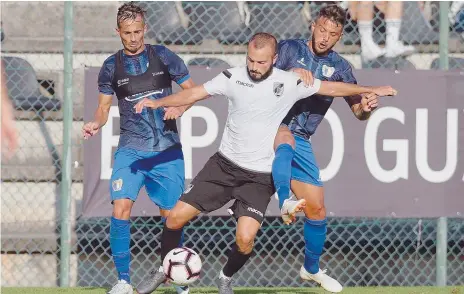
<point>182,266</point>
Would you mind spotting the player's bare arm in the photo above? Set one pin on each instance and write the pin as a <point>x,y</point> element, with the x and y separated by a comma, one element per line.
<point>176,112</point>
<point>182,98</point>
<point>100,118</point>
<point>338,89</point>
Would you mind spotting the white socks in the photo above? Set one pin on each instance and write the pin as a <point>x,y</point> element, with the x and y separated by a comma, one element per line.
<point>393,32</point>
<point>369,49</point>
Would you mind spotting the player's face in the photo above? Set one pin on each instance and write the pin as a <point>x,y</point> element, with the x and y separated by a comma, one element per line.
<point>325,34</point>
<point>132,35</point>
<point>260,62</point>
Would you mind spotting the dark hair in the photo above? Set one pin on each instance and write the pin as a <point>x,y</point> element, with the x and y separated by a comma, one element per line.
<point>261,40</point>
<point>334,13</point>
<point>129,11</point>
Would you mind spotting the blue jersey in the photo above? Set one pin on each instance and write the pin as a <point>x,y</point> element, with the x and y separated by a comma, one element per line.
<point>307,114</point>
<point>146,131</point>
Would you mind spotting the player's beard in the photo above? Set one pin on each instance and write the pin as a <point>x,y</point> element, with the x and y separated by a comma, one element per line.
<point>263,76</point>
<point>318,52</point>
<point>133,50</point>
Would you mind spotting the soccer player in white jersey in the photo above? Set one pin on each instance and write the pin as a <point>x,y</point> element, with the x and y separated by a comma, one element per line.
<point>259,98</point>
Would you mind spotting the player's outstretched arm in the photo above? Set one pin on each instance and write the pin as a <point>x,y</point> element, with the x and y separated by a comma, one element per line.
<point>338,89</point>
<point>181,98</point>
<point>100,118</point>
<point>176,112</point>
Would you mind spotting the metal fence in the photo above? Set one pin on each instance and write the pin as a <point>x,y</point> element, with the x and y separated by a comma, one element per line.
<point>46,86</point>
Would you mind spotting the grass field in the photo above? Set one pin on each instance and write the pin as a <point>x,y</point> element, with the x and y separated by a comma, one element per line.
<point>360,290</point>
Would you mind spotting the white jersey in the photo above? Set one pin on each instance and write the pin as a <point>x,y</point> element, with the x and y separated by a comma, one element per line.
<point>256,110</point>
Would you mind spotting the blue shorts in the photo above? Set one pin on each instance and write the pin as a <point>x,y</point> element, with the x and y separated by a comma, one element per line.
<point>304,165</point>
<point>162,173</point>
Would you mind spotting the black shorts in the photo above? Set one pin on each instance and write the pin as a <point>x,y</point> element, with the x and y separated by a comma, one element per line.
<point>221,180</point>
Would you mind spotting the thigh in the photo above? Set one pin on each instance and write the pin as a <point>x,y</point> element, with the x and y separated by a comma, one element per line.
<point>304,165</point>
<point>211,188</point>
<point>126,180</point>
<point>253,197</point>
<point>314,196</point>
<point>247,228</point>
<point>165,181</point>
<point>180,215</point>
<point>284,136</point>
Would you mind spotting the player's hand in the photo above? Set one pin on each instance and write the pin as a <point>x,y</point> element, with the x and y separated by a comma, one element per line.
<point>173,112</point>
<point>384,91</point>
<point>145,102</point>
<point>90,129</point>
<point>369,102</point>
<point>305,75</point>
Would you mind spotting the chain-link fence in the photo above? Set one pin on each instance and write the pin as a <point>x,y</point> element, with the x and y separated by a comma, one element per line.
<point>358,251</point>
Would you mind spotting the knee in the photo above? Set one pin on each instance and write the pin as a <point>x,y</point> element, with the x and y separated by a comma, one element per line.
<point>315,210</point>
<point>245,242</point>
<point>122,208</point>
<point>174,220</point>
<point>284,136</point>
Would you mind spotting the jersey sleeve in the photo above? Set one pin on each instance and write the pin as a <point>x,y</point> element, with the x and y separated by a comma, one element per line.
<point>219,85</point>
<point>287,54</point>
<point>176,66</point>
<point>105,77</point>
<point>304,91</point>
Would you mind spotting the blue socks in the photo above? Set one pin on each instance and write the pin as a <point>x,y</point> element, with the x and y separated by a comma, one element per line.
<point>315,231</point>
<point>119,243</point>
<point>314,234</point>
<point>282,171</point>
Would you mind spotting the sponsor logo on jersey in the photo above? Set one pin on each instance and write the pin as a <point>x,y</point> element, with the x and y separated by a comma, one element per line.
<point>244,84</point>
<point>123,82</point>
<point>327,71</point>
<point>142,95</point>
<point>278,89</point>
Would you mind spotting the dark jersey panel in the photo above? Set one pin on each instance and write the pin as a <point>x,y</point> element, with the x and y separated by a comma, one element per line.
<point>306,115</point>
<point>146,131</point>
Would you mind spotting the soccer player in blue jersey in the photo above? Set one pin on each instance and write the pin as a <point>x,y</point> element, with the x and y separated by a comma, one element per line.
<point>294,165</point>
<point>149,151</point>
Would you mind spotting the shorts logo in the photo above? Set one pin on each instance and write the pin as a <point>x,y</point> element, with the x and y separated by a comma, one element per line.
<point>278,89</point>
<point>117,185</point>
<point>189,187</point>
<point>255,211</point>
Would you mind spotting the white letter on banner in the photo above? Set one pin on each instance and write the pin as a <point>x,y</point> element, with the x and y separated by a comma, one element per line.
<point>108,141</point>
<point>338,150</point>
<point>422,148</point>
<point>189,141</point>
<point>399,146</point>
